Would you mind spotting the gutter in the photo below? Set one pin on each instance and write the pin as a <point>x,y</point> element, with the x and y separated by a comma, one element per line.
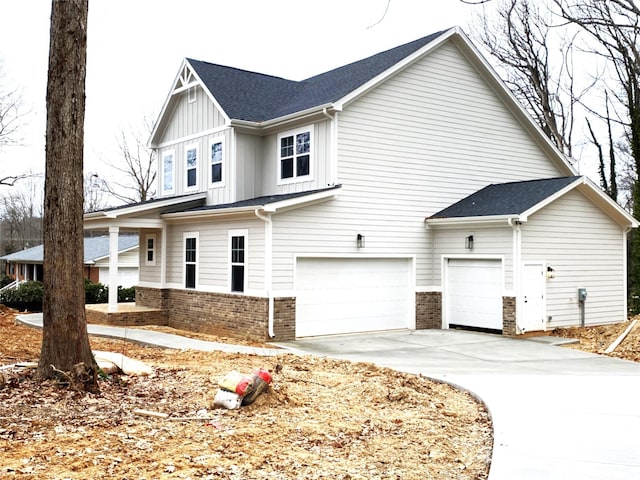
<point>268,265</point>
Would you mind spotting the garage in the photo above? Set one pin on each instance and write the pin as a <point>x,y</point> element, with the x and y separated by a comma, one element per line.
<point>347,295</point>
<point>474,293</point>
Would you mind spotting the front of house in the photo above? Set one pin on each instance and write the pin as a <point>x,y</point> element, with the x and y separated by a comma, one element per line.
<point>292,209</point>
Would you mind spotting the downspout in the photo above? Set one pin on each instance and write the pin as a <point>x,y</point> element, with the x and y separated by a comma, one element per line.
<point>517,234</point>
<point>268,265</point>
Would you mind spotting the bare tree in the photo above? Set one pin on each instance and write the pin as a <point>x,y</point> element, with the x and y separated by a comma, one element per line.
<point>138,173</point>
<point>22,216</point>
<point>93,193</point>
<point>537,64</point>
<point>65,344</point>
<point>11,117</point>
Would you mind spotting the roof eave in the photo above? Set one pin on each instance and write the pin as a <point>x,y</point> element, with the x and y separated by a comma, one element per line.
<point>480,220</point>
<point>302,115</point>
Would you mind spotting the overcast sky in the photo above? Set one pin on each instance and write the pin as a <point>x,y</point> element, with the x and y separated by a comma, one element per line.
<point>135,48</point>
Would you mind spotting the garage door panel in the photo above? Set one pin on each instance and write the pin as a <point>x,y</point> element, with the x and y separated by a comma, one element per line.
<point>474,293</point>
<point>351,295</point>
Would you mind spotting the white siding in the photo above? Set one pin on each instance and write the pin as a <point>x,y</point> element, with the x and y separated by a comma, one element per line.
<point>428,137</point>
<point>189,118</point>
<point>488,243</point>
<point>150,274</point>
<point>585,248</point>
<point>213,254</point>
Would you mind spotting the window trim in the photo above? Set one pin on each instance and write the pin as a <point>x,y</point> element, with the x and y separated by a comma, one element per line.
<point>152,250</point>
<point>187,149</point>
<point>168,153</point>
<point>296,178</point>
<point>238,233</point>
<point>191,94</point>
<point>212,142</point>
<point>185,236</point>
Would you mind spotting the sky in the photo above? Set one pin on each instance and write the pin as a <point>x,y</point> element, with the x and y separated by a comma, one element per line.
<point>135,49</point>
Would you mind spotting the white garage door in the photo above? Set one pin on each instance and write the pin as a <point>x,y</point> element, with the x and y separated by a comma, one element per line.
<point>474,293</point>
<point>346,295</point>
<point>127,276</point>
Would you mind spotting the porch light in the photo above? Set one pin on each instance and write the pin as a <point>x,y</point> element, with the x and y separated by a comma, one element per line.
<point>551,273</point>
<point>360,240</point>
<point>468,242</point>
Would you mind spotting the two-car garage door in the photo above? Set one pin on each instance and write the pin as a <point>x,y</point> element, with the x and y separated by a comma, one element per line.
<point>346,295</point>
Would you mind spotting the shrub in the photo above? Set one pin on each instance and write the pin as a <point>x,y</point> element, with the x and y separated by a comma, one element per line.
<point>28,296</point>
<point>95,292</point>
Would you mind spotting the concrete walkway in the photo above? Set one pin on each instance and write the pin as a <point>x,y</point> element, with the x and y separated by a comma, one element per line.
<point>557,413</point>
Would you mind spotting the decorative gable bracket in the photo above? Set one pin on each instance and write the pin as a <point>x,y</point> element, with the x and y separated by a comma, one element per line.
<point>186,79</point>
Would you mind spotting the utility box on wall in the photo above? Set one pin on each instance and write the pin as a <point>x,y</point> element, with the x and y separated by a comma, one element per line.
<point>582,295</point>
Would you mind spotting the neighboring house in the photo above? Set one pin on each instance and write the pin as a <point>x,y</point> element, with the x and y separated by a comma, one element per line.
<point>27,264</point>
<point>405,190</point>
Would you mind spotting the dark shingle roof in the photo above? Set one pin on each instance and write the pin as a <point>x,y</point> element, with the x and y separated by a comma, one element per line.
<point>94,249</point>
<point>251,96</point>
<point>261,201</point>
<point>505,198</point>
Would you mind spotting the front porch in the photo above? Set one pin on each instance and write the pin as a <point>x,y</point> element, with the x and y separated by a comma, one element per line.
<point>124,315</point>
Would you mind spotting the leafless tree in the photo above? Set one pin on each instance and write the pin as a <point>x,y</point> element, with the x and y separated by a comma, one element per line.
<point>137,171</point>
<point>65,344</point>
<point>21,216</point>
<point>11,118</point>
<point>536,62</point>
<point>93,193</point>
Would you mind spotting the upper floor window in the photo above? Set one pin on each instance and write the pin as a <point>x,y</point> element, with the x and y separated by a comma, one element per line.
<point>168,171</point>
<point>294,155</point>
<point>217,160</point>
<point>150,258</point>
<point>191,165</point>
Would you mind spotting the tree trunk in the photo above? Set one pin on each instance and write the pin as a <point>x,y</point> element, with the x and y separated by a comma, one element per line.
<point>65,341</point>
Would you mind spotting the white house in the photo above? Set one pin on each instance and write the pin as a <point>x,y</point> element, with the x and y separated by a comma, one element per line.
<point>407,190</point>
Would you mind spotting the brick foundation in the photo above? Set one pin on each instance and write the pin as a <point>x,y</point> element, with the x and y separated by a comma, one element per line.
<point>131,318</point>
<point>428,310</point>
<point>509,316</point>
<point>284,318</point>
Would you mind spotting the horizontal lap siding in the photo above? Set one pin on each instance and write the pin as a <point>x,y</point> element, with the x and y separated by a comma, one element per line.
<point>150,274</point>
<point>585,249</point>
<point>423,140</point>
<point>213,254</point>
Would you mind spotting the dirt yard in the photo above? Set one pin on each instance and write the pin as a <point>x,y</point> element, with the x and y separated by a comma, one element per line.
<point>598,339</point>
<point>320,419</point>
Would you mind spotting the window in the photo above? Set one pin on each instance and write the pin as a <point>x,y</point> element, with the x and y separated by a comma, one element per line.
<point>238,260</point>
<point>168,166</point>
<point>191,163</point>
<point>216,157</point>
<point>150,259</point>
<point>294,155</point>
<point>190,259</point>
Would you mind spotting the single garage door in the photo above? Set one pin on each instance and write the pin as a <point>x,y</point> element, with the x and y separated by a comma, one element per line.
<point>346,295</point>
<point>474,293</point>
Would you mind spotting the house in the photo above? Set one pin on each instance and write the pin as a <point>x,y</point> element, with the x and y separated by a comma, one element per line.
<point>27,264</point>
<point>408,190</point>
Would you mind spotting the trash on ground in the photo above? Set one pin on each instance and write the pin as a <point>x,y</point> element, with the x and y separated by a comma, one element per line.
<point>238,390</point>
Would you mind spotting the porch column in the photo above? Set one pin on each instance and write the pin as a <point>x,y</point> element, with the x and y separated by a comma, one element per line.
<point>113,268</point>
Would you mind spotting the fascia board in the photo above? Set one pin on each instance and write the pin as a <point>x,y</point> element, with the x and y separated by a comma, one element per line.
<point>357,93</point>
<point>209,94</point>
<point>120,252</point>
<point>121,212</point>
<point>463,221</point>
<point>301,201</point>
<point>284,120</point>
<point>200,214</point>
<point>490,75</point>
<point>551,198</point>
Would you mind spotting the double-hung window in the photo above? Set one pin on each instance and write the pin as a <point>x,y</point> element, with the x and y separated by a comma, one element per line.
<point>191,164</point>
<point>190,259</point>
<point>295,155</point>
<point>150,258</point>
<point>238,257</point>
<point>216,157</point>
<point>168,171</point>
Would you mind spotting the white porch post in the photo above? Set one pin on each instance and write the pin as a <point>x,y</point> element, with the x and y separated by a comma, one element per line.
<point>113,268</point>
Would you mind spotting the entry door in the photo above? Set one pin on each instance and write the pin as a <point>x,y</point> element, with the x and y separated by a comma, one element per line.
<point>532,297</point>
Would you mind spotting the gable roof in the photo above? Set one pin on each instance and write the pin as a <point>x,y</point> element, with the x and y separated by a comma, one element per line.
<point>95,248</point>
<point>519,200</point>
<point>256,97</point>
<point>512,198</point>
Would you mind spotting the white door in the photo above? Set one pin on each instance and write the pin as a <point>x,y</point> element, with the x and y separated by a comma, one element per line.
<point>347,295</point>
<point>474,293</point>
<point>532,297</point>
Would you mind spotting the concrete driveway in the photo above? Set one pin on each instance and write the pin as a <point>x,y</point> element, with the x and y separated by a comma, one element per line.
<point>558,413</point>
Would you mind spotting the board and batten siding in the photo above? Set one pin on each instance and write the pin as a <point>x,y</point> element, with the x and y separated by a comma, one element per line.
<point>585,248</point>
<point>428,137</point>
<point>488,243</point>
<point>213,254</point>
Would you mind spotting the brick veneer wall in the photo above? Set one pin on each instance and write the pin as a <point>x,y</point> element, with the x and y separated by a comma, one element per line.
<point>284,318</point>
<point>428,310</point>
<point>509,316</point>
<point>126,319</point>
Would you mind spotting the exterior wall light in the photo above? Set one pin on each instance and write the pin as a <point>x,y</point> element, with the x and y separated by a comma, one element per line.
<point>551,273</point>
<point>468,242</point>
<point>360,240</point>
